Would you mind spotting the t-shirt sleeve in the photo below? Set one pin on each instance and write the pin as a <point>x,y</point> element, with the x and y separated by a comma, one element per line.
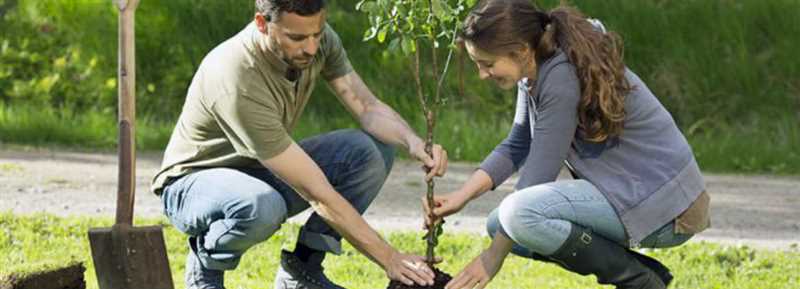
<point>336,62</point>
<point>254,128</point>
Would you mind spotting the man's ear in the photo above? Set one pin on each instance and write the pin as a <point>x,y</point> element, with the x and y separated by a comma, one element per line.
<point>262,23</point>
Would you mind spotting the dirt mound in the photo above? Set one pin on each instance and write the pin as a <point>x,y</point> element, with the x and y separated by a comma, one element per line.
<point>70,277</point>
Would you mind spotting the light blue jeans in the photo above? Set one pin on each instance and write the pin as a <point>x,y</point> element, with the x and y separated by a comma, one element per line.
<point>539,218</point>
<point>231,209</point>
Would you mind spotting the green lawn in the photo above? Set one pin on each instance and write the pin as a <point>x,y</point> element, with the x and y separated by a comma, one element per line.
<point>31,242</point>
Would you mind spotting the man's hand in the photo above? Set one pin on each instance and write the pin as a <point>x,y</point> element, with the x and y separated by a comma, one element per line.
<point>297,169</point>
<point>409,269</point>
<point>433,166</point>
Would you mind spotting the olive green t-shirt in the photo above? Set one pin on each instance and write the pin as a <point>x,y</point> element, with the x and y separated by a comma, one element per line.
<point>241,107</point>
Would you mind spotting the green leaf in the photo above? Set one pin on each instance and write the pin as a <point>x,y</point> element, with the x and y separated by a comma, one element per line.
<point>440,9</point>
<point>394,45</point>
<point>408,45</point>
<point>370,33</point>
<point>369,7</point>
<point>360,4</point>
<point>383,4</point>
<point>439,230</point>
<point>382,33</point>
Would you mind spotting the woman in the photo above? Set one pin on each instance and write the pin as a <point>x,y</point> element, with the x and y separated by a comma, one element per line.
<point>636,184</point>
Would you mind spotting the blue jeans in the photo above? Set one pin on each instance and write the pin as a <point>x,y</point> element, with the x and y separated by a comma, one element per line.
<point>539,218</point>
<point>231,209</point>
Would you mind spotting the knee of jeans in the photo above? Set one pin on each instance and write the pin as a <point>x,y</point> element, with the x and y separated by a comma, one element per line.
<point>493,227</point>
<point>387,153</point>
<point>373,149</point>
<point>518,217</point>
<point>261,215</point>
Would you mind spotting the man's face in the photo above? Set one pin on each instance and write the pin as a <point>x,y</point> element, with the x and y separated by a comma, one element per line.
<point>293,37</point>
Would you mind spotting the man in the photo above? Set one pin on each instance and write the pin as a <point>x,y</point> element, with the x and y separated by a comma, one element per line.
<point>231,174</point>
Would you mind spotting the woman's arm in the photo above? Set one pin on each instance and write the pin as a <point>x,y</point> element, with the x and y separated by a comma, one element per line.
<point>555,127</point>
<point>510,155</point>
<point>506,159</point>
<point>483,268</point>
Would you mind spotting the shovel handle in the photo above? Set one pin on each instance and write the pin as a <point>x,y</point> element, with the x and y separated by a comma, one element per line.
<point>127,112</point>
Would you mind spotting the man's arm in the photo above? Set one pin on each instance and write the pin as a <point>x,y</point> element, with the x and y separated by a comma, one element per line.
<point>381,121</point>
<point>298,170</point>
<point>374,116</point>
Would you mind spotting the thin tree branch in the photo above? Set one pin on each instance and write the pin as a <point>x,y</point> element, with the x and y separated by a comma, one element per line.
<point>449,58</point>
<point>416,71</point>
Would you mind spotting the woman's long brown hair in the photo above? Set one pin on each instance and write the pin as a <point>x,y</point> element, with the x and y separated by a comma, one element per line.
<point>501,27</point>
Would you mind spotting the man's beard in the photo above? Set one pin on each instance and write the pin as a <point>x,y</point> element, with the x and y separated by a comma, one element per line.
<point>300,63</point>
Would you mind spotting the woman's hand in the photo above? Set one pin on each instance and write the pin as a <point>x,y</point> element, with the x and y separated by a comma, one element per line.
<point>478,273</point>
<point>444,205</point>
<point>482,270</point>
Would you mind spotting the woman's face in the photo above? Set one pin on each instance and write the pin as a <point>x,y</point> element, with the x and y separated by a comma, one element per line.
<point>502,69</point>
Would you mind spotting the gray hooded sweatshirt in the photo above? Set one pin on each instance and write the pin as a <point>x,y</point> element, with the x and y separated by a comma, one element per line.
<point>648,173</point>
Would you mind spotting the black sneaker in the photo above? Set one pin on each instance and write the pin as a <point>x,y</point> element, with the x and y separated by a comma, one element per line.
<point>296,274</point>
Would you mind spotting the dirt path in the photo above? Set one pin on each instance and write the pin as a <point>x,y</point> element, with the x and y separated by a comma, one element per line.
<point>760,211</point>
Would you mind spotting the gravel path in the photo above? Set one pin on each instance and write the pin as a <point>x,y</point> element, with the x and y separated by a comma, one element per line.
<point>760,211</point>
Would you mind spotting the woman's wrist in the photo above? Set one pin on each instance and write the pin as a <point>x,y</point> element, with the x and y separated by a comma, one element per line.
<point>466,195</point>
<point>501,245</point>
<point>476,185</point>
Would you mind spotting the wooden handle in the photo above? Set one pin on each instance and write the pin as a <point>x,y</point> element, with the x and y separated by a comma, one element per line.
<point>127,112</point>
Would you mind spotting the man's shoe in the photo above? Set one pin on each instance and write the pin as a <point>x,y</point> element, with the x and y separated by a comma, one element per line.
<point>296,274</point>
<point>198,277</point>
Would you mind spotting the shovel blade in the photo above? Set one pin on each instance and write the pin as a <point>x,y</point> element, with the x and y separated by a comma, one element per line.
<point>130,258</point>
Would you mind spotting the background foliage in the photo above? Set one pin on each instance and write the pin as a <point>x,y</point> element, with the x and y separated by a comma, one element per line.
<point>726,70</point>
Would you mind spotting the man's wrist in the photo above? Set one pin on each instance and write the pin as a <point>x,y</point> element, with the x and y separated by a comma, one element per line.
<point>384,257</point>
<point>411,141</point>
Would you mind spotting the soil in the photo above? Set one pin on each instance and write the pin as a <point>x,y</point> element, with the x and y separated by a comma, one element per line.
<point>760,211</point>
<point>64,278</point>
<point>439,281</point>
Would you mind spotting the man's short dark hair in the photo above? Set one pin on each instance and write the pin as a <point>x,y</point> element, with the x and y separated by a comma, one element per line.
<point>272,9</point>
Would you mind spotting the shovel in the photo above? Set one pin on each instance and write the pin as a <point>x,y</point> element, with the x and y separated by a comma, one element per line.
<point>127,257</point>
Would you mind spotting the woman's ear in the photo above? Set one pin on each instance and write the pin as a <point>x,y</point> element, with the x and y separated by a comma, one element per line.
<point>526,58</point>
<point>523,55</point>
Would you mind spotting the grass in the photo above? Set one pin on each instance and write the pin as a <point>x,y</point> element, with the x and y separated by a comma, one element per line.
<point>763,146</point>
<point>44,126</point>
<point>33,242</point>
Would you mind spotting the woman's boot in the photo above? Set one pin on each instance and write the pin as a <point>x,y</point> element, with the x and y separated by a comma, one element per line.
<point>587,253</point>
